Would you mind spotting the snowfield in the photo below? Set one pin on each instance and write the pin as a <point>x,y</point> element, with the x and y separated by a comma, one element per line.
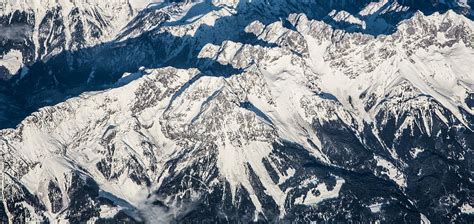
<point>244,118</point>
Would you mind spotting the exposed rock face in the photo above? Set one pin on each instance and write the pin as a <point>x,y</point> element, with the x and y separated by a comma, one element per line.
<point>35,30</point>
<point>250,112</point>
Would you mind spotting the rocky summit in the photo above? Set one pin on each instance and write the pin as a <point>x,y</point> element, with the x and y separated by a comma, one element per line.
<point>237,111</point>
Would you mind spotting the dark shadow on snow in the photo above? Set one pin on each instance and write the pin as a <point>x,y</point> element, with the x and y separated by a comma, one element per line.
<point>69,74</point>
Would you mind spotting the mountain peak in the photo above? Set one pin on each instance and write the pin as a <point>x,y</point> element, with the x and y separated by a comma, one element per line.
<point>239,111</point>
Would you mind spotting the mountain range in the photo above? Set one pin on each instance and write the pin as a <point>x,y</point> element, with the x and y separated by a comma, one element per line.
<point>236,111</point>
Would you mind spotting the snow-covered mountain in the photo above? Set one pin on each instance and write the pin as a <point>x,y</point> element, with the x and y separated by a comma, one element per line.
<point>38,29</point>
<point>248,111</point>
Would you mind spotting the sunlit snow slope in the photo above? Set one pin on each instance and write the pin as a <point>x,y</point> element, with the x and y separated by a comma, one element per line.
<point>231,112</point>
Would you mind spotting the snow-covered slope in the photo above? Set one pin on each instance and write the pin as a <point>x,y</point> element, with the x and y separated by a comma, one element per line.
<point>38,29</point>
<point>241,117</point>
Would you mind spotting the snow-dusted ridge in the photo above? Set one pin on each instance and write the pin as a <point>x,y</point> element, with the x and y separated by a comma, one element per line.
<point>49,27</point>
<point>314,124</point>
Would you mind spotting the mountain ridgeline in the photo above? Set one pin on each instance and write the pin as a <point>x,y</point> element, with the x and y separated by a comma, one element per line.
<point>235,111</point>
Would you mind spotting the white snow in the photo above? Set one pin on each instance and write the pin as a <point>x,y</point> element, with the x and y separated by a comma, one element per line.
<point>424,219</point>
<point>392,171</point>
<point>376,207</point>
<point>193,15</point>
<point>290,173</point>
<point>107,211</point>
<point>232,161</point>
<point>115,13</point>
<point>286,114</point>
<point>373,7</point>
<point>415,151</point>
<point>12,61</point>
<point>467,208</point>
<point>258,206</point>
<point>324,193</point>
<point>73,132</point>
<point>347,17</point>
